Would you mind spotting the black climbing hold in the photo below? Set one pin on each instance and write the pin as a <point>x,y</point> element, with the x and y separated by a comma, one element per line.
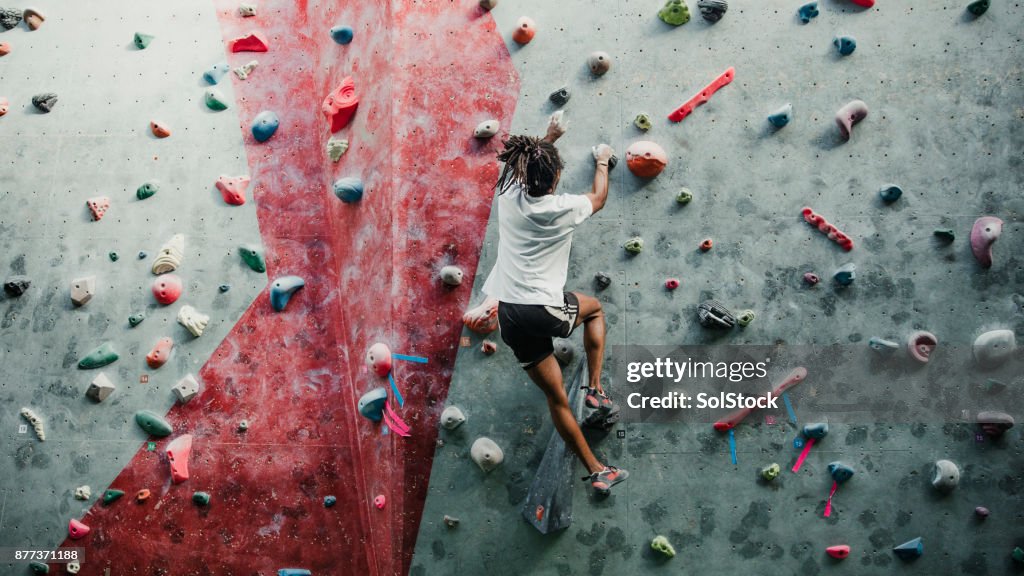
<point>142,255</point>
<point>561,96</point>
<point>44,102</point>
<point>9,18</point>
<point>945,234</point>
<point>16,285</point>
<point>712,313</point>
<point>113,256</point>
<point>712,10</point>
<point>978,7</point>
<point>603,280</point>
<point>224,287</point>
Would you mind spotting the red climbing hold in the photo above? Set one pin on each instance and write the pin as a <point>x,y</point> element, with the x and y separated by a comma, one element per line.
<point>864,3</point>
<point>671,283</point>
<point>233,189</point>
<point>77,530</point>
<point>380,502</point>
<point>4,105</point>
<point>701,97</point>
<point>707,244</point>
<point>98,206</point>
<point>167,288</point>
<point>158,356</point>
<point>5,48</point>
<point>525,31</point>
<point>340,105</point>
<point>841,551</point>
<point>252,42</point>
<point>177,454</point>
<point>833,233</point>
<point>159,129</point>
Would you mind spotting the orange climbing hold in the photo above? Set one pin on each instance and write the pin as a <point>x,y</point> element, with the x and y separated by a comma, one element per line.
<point>646,159</point>
<point>77,530</point>
<point>98,206</point>
<point>233,189</point>
<point>160,130</point>
<point>251,42</point>
<point>158,356</point>
<point>706,245</point>
<point>340,105</point>
<point>525,31</point>
<point>177,454</point>
<point>142,495</point>
<point>5,48</point>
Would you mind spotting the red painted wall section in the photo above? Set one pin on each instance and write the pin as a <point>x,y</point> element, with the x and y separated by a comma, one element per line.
<point>427,73</point>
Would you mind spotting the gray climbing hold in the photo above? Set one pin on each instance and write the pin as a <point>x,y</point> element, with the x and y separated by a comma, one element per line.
<point>9,18</point>
<point>994,423</point>
<point>224,288</point>
<point>113,256</point>
<point>817,430</point>
<point>946,476</point>
<point>17,285</point>
<point>712,313</point>
<point>634,245</point>
<point>488,5</point>
<point>881,345</point>
<point>981,512</point>
<point>561,96</point>
<point>486,129</point>
<point>142,254</point>
<point>136,319</point>
<point>186,389</point>
<point>599,63</point>
<point>565,351</point>
<point>216,72</point>
<point>712,10</point>
<point>910,549</point>
<point>486,453</point>
<point>602,280</point>
<point>349,189</point>
<point>450,521</point>
<point>452,418</point>
<point>840,472</point>
<point>845,275</point>
<point>282,289</point>
<point>993,348</point>
<point>782,116</point>
<point>44,102</point>
<point>845,44</point>
<point>890,193</point>
<point>807,12</point>
<point>451,275</point>
<point>371,404</point>
<point>100,388</point>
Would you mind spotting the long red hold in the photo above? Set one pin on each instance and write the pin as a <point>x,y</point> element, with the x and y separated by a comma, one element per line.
<point>729,422</point>
<point>833,233</point>
<point>340,105</point>
<point>701,97</point>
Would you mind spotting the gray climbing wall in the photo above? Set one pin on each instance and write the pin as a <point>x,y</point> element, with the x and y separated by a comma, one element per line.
<point>97,142</point>
<point>944,92</point>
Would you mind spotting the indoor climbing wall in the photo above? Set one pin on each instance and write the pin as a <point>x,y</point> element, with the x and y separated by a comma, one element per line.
<point>943,89</point>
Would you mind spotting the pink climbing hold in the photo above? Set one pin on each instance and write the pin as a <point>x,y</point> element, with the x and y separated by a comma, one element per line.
<point>251,42</point>
<point>340,105</point>
<point>671,283</point>
<point>823,226</point>
<point>488,347</point>
<point>159,129</point>
<point>5,48</point>
<point>177,454</point>
<point>811,278</point>
<point>158,356</point>
<point>98,206</point>
<point>701,97</point>
<point>380,502</point>
<point>849,115</point>
<point>4,105</point>
<point>378,357</point>
<point>921,344</point>
<point>77,530</point>
<point>864,3</point>
<point>984,234</point>
<point>167,289</point>
<point>233,189</point>
<point>841,551</point>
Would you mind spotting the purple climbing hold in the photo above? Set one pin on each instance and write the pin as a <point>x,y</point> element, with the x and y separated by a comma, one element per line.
<point>981,512</point>
<point>984,234</point>
<point>849,115</point>
<point>811,278</point>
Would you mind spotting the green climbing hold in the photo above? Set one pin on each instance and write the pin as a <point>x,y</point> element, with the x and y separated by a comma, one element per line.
<point>136,319</point>
<point>684,196</point>
<point>38,568</point>
<point>153,423</point>
<point>675,13</point>
<point>201,498</point>
<point>1018,553</point>
<point>253,256</point>
<point>142,40</point>
<point>643,121</point>
<point>215,100</point>
<point>148,189</point>
<point>99,357</point>
<point>945,234</point>
<point>771,471</point>
<point>634,245</point>
<point>978,7</point>
<point>661,544</point>
<point>113,256</point>
<point>112,495</point>
<point>746,317</point>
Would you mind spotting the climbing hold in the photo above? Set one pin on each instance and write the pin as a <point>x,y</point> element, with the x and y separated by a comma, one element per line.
<point>282,289</point>
<point>816,430</point>
<point>153,423</point>
<point>178,451</point>
<point>845,44</point>
<point>148,189</point>
<point>9,18</point>
<point>38,567</point>
<point>603,280</point>
<point>921,344</point>
<point>745,318</point>
<point>840,472</point>
<point>881,345</point>
<point>379,501</point>
<point>845,275</point>
<point>33,18</point>
<point>945,234</point>
<point>841,551</point>
<point>215,100</point>
<point>98,205</point>
<point>452,418</point>
<point>159,129</point>
<point>161,351</point>
<point>246,10</point>
<point>450,521</point>
<point>378,358</point>
<point>849,115</point>
<point>82,290</point>
<point>243,425</point>
<point>782,116</point>
<point>993,348</point>
<point>166,289</point>
<point>371,404</point>
<point>488,347</point>
<point>864,3</point>
<point>675,12</point>
<point>17,285</point>
<point>946,476</point>
<point>684,196</point>
<point>170,255</point>
<point>599,63</point>
<point>807,11</point>
<point>561,96</point>
<point>44,102</point>
<point>978,7</point>
<point>1017,555</point>
<point>451,275</point>
<point>36,421</point>
<point>77,530</point>
<point>201,499</point>
<point>251,42</point>
<point>73,567</point>
<point>486,129</point>
<point>253,257</point>
<point>564,351</point>
<point>294,572</point>
<point>216,72</point>
<point>113,256</point>
<point>349,189</point>
<point>671,283</point>
<point>142,495</point>
<point>823,226</point>
<point>5,48</point>
<point>634,245</point>
<point>340,105</point>
<point>98,357</point>
<point>233,189</point>
<point>661,544</point>
<point>342,34</point>
<point>643,121</point>
<point>525,31</point>
<point>336,147</point>
<point>486,454</point>
<point>713,313</point>
<point>193,320</point>
<point>142,40</point>
<point>890,193</point>
<point>100,388</point>
<point>811,278</point>
<point>771,471</point>
<point>111,495</point>
<point>701,97</point>
<point>142,254</point>
<point>994,424</point>
<point>712,10</point>
<point>83,493</point>
<point>984,233</point>
<point>706,244</point>
<point>244,70</point>
<point>646,159</point>
<point>224,288</point>
<point>910,549</point>
<point>4,105</point>
<point>330,501</point>
<point>264,125</point>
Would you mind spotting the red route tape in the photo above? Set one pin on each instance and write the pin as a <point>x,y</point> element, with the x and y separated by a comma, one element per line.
<point>803,455</point>
<point>828,503</point>
<point>394,421</point>
<point>701,97</point>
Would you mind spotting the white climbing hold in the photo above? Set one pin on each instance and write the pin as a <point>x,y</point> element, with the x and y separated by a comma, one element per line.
<point>452,418</point>
<point>451,275</point>
<point>994,347</point>
<point>73,567</point>
<point>486,129</point>
<point>170,255</point>
<point>244,70</point>
<point>100,388</point>
<point>83,493</point>
<point>193,320</point>
<point>35,421</point>
<point>82,290</point>
<point>946,476</point>
<point>486,454</point>
<point>246,10</point>
<point>187,388</point>
<point>336,147</point>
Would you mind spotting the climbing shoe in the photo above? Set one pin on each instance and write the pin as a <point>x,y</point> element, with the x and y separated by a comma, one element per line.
<point>600,411</point>
<point>597,399</point>
<point>603,481</point>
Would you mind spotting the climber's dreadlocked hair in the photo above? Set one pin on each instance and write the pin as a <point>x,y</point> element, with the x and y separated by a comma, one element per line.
<point>532,162</point>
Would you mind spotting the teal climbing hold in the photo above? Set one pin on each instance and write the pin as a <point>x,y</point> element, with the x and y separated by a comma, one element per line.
<point>216,72</point>
<point>945,234</point>
<point>349,189</point>
<point>882,345</point>
<point>840,472</point>
<point>782,116</point>
<point>890,193</point>
<point>253,257</point>
<point>910,550</point>
<point>136,319</point>
<point>330,501</point>
<point>201,498</point>
<point>1018,555</point>
<point>147,189</point>
<point>215,100</point>
<point>845,274</point>
<point>807,11</point>
<point>282,289</point>
<point>342,34</point>
<point>264,125</point>
<point>294,572</point>
<point>113,256</point>
<point>112,495</point>
<point>845,44</point>
<point>142,40</point>
<point>817,430</point>
<point>38,568</point>
<point>98,357</point>
<point>675,12</point>
<point>978,7</point>
<point>371,404</point>
<point>153,423</point>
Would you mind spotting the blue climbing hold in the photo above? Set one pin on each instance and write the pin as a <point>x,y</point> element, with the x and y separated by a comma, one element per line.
<point>910,549</point>
<point>845,274</point>
<point>342,34</point>
<point>371,405</point>
<point>216,72</point>
<point>264,125</point>
<point>294,572</point>
<point>782,116</point>
<point>807,11</point>
<point>818,430</point>
<point>330,501</point>
<point>882,345</point>
<point>890,193</point>
<point>349,189</point>
<point>845,44</point>
<point>840,472</point>
<point>282,289</point>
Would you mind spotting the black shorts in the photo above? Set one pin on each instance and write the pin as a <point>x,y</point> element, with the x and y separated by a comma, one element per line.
<point>529,328</point>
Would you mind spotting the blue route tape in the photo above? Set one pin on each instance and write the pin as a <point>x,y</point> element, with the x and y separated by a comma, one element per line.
<point>732,446</point>
<point>394,388</point>
<point>789,408</point>
<point>416,359</point>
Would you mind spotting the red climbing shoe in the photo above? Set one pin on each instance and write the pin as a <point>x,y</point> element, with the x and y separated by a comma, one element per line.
<point>597,400</point>
<point>604,480</point>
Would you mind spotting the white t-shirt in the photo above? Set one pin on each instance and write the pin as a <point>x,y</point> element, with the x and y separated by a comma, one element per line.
<point>535,235</point>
